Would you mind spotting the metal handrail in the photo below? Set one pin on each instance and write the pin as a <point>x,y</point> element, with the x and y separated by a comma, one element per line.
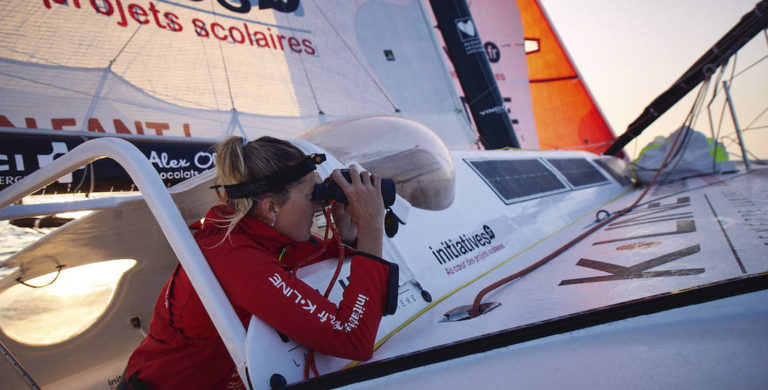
<point>168,217</point>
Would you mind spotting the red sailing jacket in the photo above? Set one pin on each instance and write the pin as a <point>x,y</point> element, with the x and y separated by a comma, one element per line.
<point>183,349</point>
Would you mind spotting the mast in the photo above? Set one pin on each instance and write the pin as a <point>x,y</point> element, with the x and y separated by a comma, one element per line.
<point>465,49</point>
<point>749,25</point>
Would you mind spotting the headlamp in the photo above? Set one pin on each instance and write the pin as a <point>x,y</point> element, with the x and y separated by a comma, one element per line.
<point>273,182</point>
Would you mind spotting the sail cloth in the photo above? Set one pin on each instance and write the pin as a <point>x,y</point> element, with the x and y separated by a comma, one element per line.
<point>498,24</point>
<point>695,155</point>
<point>566,115</point>
<point>180,68</point>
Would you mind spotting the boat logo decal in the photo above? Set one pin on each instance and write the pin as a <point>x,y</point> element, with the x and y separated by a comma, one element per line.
<point>678,212</point>
<point>466,249</point>
<point>638,245</point>
<point>237,29</point>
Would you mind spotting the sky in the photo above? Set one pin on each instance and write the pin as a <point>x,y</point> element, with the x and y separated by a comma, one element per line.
<point>629,52</point>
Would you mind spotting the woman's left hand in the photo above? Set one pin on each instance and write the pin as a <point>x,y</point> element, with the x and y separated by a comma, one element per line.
<point>343,222</point>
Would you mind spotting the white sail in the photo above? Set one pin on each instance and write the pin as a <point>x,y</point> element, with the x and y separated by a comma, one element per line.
<point>180,67</point>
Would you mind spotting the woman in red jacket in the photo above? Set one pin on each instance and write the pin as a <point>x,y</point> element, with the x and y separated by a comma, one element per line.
<point>253,243</point>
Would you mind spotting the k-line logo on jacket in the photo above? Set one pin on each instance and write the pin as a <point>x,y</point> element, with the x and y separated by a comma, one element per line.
<point>464,244</point>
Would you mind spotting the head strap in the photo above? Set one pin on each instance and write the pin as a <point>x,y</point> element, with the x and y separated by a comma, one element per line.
<point>274,181</point>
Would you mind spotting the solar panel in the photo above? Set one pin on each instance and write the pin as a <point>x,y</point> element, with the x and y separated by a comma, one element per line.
<point>578,171</point>
<point>517,180</point>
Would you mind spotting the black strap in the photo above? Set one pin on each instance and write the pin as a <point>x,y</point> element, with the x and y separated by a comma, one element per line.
<point>274,181</point>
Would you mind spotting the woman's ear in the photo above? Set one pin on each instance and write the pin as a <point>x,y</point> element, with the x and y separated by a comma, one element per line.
<point>266,210</point>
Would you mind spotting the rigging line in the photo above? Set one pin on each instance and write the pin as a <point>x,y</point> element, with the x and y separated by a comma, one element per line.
<point>751,66</point>
<point>119,52</point>
<point>128,41</point>
<point>688,121</point>
<point>709,111</point>
<point>20,280</point>
<point>716,137</point>
<point>684,144</point>
<point>711,101</point>
<point>733,69</point>
<point>733,141</point>
<point>223,61</point>
<point>367,72</point>
<point>749,126</point>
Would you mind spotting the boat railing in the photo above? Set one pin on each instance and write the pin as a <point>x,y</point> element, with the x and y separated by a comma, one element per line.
<point>166,213</point>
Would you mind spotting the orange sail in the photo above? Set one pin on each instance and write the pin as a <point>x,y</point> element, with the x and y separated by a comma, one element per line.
<point>565,113</point>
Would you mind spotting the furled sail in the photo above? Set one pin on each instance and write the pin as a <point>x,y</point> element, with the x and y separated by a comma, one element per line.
<point>566,115</point>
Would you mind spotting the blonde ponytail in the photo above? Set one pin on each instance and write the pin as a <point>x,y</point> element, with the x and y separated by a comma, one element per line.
<point>238,163</point>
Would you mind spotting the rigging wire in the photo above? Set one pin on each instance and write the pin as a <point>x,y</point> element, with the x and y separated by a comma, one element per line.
<point>749,126</point>
<point>751,65</point>
<point>709,113</point>
<point>688,125</point>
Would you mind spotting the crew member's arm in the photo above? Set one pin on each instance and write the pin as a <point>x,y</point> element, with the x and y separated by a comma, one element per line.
<point>258,284</point>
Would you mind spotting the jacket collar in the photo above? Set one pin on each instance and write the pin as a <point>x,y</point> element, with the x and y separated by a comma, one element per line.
<point>249,226</point>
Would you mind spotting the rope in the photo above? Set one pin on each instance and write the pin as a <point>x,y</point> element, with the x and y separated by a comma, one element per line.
<point>676,144</point>
<point>309,361</point>
<point>58,272</point>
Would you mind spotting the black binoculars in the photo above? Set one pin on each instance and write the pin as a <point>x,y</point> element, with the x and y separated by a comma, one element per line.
<point>328,190</point>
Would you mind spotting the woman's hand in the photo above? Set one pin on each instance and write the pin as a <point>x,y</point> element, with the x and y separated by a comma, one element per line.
<point>365,208</point>
<point>342,221</point>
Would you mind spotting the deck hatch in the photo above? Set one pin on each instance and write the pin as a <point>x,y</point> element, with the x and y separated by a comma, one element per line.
<point>578,172</point>
<point>518,180</point>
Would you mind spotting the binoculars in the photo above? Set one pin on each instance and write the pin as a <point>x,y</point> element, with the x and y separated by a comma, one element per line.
<point>328,190</point>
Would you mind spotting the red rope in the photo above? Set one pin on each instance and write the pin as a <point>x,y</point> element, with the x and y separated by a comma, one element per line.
<point>479,297</point>
<point>309,361</point>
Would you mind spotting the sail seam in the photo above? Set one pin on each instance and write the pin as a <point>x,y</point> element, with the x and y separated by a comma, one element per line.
<point>224,61</point>
<point>552,79</point>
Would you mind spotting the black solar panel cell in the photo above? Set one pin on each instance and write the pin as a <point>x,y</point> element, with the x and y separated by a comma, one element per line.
<point>578,171</point>
<point>516,179</point>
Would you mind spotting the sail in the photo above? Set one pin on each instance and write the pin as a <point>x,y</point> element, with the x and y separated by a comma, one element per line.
<point>502,33</point>
<point>205,69</point>
<point>566,115</point>
<point>467,55</point>
<point>498,24</point>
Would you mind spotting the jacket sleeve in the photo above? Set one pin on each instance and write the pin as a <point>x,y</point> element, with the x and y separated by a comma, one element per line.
<point>257,283</point>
